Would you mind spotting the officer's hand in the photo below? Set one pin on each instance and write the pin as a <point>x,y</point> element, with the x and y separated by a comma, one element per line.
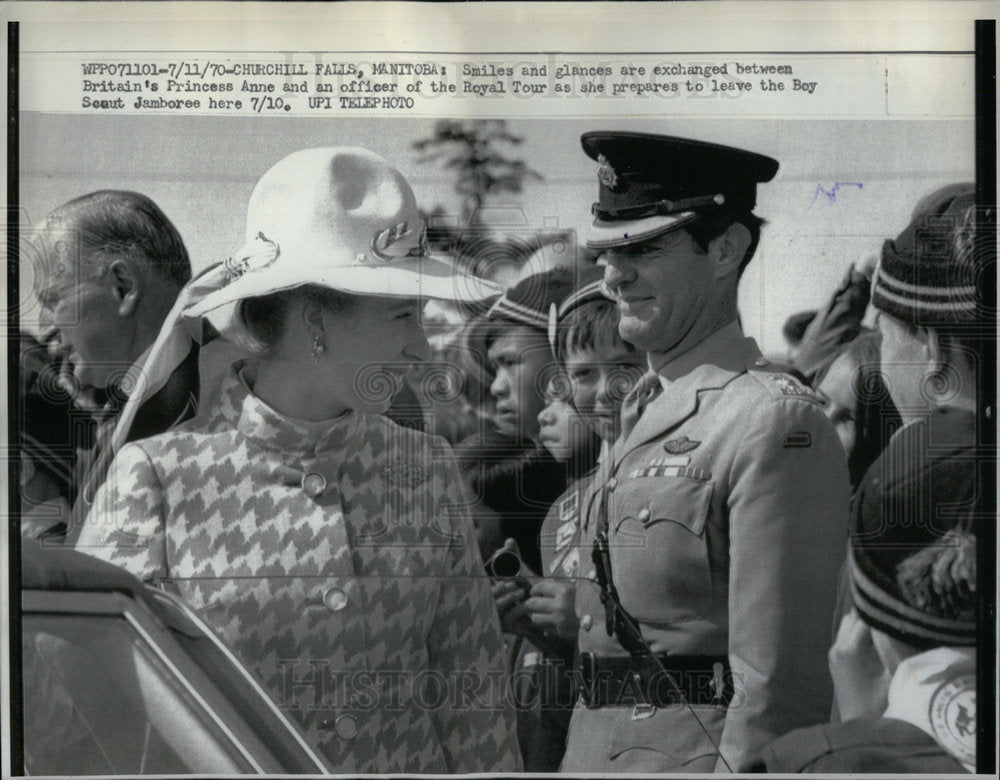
<point>509,597</point>
<point>552,606</point>
<point>860,679</point>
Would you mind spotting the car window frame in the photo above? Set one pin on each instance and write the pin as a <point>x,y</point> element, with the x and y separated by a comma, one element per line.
<point>155,627</point>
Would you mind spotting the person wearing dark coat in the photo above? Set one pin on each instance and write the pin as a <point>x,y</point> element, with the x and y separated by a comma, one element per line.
<point>108,267</point>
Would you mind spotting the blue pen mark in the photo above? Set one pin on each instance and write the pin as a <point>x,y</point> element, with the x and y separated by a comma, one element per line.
<point>831,194</point>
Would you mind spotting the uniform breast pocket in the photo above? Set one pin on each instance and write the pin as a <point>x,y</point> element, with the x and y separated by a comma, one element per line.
<point>659,550</point>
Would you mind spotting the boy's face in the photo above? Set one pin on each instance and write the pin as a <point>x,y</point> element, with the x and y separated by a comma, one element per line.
<point>840,402</point>
<point>563,432</point>
<point>601,376</point>
<point>906,365</point>
<point>519,356</point>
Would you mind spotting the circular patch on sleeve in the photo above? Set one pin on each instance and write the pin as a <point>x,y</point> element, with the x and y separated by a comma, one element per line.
<point>953,717</point>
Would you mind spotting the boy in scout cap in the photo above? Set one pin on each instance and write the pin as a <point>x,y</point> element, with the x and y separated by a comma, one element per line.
<point>511,343</point>
<point>904,661</point>
<point>721,525</point>
<point>596,371</point>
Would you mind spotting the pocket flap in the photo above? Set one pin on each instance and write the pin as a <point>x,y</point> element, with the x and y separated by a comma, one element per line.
<point>679,500</point>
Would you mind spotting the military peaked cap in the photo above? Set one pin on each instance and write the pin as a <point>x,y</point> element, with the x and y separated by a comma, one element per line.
<point>652,184</point>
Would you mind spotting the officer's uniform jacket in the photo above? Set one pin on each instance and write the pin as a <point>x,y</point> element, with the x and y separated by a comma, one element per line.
<point>338,561</point>
<point>727,508</point>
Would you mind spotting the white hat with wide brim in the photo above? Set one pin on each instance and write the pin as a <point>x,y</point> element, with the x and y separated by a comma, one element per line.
<point>343,218</point>
<point>336,217</point>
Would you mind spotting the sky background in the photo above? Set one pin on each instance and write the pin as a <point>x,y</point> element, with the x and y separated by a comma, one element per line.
<point>201,171</point>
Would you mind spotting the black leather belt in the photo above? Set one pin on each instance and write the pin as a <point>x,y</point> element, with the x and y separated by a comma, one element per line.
<point>626,681</point>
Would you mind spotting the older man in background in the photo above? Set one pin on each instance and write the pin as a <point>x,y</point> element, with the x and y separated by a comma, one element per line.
<point>108,268</point>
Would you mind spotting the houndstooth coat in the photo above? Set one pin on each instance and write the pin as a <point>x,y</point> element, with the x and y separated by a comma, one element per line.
<point>338,562</point>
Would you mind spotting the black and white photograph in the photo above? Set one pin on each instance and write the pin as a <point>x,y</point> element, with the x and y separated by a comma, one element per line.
<point>482,395</point>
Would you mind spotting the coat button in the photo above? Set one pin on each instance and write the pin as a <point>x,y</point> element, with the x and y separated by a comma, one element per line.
<point>346,726</point>
<point>335,599</point>
<point>314,484</point>
<point>643,515</point>
<point>612,483</point>
<point>586,622</point>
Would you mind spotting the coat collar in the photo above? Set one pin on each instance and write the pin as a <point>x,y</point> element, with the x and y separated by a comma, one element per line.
<point>268,428</point>
<point>712,364</point>
<point>936,692</point>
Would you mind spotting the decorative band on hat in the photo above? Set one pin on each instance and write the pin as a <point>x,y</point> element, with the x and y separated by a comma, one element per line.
<point>385,245</point>
<point>594,291</point>
<point>893,616</point>
<point>553,325</point>
<point>926,292</point>
<point>505,307</point>
<point>259,252</point>
<point>662,207</point>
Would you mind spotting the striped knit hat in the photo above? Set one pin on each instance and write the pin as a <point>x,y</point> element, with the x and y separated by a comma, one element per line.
<point>913,534</point>
<point>590,287</point>
<point>528,301</point>
<point>927,276</point>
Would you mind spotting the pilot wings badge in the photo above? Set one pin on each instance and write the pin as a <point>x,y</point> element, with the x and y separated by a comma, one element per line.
<point>680,446</point>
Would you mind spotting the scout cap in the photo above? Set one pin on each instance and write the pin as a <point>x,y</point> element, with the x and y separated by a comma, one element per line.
<point>560,253</point>
<point>589,287</point>
<point>528,301</point>
<point>342,218</point>
<point>928,274</point>
<point>652,184</point>
<point>913,537</point>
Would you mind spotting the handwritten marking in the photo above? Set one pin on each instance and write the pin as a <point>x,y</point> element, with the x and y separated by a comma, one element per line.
<point>831,194</point>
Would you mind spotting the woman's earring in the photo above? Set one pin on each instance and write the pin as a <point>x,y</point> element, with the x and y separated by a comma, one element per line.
<point>318,347</point>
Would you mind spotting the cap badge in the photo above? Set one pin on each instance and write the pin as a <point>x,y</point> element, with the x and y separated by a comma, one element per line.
<point>257,253</point>
<point>953,717</point>
<point>605,173</point>
<point>680,446</point>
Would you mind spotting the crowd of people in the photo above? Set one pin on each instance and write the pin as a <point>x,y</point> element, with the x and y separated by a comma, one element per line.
<point>606,530</point>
